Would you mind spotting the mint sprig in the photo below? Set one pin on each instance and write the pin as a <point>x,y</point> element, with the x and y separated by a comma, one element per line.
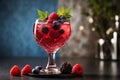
<point>46,14</point>
<point>61,12</point>
<point>64,12</point>
<point>43,15</point>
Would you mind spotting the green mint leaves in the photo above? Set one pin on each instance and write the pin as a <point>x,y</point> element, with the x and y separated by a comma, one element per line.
<point>64,12</point>
<point>61,12</point>
<point>43,15</point>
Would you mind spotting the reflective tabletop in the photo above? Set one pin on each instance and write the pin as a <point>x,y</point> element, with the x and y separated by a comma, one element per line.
<point>94,69</point>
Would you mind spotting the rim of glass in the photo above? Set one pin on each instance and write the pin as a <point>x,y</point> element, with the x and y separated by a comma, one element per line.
<point>38,21</point>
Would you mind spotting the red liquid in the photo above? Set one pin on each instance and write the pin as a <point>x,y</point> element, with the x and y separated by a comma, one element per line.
<point>49,38</point>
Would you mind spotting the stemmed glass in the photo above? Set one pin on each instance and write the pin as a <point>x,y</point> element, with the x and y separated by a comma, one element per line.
<point>51,38</point>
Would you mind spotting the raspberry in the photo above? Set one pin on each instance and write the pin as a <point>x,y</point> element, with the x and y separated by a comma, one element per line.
<point>26,69</point>
<point>53,16</point>
<point>66,68</point>
<point>77,69</point>
<point>49,21</point>
<point>15,71</point>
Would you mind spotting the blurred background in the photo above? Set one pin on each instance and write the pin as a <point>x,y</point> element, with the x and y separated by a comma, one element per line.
<point>17,18</point>
<point>16,26</point>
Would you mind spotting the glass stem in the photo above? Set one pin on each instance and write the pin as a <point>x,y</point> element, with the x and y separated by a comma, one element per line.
<point>51,61</point>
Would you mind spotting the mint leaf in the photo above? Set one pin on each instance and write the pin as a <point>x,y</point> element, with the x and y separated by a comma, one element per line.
<point>64,12</point>
<point>67,11</point>
<point>46,14</point>
<point>41,14</point>
<point>60,11</point>
<point>68,16</point>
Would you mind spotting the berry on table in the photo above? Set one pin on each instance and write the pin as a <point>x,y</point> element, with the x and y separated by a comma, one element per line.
<point>66,68</point>
<point>35,71</point>
<point>38,67</point>
<point>15,71</point>
<point>26,70</point>
<point>77,69</point>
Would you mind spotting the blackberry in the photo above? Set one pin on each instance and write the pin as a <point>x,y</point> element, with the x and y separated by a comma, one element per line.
<point>35,71</point>
<point>56,25</point>
<point>66,68</point>
<point>45,30</point>
<point>56,22</point>
<point>62,17</point>
<point>38,67</point>
<point>61,21</point>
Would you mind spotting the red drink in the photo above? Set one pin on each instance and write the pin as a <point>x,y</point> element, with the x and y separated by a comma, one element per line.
<point>51,34</point>
<point>50,38</point>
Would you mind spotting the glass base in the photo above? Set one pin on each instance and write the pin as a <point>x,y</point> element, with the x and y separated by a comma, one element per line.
<point>51,71</point>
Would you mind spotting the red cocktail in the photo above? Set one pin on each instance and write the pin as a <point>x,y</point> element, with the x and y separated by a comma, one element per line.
<point>51,35</point>
<point>49,38</point>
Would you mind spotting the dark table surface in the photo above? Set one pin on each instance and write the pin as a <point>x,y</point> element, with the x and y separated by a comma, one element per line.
<point>94,69</point>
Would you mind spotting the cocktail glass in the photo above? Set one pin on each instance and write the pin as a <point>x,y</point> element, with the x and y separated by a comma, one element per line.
<point>51,38</point>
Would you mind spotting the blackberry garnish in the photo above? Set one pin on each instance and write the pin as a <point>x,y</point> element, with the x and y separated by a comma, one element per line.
<point>45,30</point>
<point>62,17</point>
<point>56,25</point>
<point>61,21</point>
<point>56,22</point>
<point>61,31</point>
<point>66,68</point>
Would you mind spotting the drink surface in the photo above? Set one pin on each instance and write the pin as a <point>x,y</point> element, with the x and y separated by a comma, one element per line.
<point>51,38</point>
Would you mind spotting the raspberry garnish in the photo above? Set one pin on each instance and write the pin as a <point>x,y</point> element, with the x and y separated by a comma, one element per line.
<point>53,16</point>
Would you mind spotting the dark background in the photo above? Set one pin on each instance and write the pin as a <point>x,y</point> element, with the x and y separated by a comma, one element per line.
<point>16,25</point>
